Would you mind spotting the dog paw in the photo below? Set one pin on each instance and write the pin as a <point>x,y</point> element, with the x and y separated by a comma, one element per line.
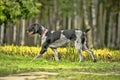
<point>94,60</point>
<point>56,59</point>
<point>81,60</point>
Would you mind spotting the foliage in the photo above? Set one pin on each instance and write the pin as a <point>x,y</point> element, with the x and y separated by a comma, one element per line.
<point>66,9</point>
<point>67,53</point>
<point>11,10</point>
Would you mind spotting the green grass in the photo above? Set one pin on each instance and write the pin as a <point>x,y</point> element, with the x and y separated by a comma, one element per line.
<point>10,64</point>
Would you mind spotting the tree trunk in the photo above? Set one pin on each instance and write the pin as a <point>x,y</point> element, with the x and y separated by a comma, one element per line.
<point>118,32</point>
<point>8,32</point>
<point>64,22</point>
<point>69,21</point>
<point>22,32</point>
<point>56,11</point>
<point>103,30</point>
<point>49,18</point>
<point>2,33</point>
<point>80,22</point>
<point>102,23</point>
<point>53,19</point>
<point>113,38</point>
<point>14,34</point>
<point>86,20</point>
<point>110,29</point>
<point>75,14</point>
<point>36,36</point>
<point>58,24</point>
<point>94,23</point>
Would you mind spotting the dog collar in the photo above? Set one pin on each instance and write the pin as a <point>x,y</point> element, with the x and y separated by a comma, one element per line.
<point>43,31</point>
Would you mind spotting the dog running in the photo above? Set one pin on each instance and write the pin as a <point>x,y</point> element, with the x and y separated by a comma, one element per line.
<point>55,39</point>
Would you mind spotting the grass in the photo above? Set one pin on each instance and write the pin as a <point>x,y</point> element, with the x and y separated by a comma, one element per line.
<point>87,70</point>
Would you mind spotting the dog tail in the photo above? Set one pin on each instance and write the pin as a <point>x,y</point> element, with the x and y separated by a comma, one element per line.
<point>85,31</point>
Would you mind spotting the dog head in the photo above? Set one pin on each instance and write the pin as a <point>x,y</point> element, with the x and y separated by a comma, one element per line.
<point>35,29</point>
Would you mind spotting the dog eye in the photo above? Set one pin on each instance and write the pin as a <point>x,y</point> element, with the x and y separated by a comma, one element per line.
<point>32,27</point>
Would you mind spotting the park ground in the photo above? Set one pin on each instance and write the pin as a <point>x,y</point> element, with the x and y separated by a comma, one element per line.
<point>14,67</point>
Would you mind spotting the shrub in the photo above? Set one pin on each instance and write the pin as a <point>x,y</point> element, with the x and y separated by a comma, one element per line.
<point>67,53</point>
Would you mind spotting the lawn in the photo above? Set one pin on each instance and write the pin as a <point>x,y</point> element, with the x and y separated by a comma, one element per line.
<point>87,70</point>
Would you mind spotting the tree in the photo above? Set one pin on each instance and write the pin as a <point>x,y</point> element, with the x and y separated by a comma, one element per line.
<point>118,31</point>
<point>94,21</point>
<point>101,16</point>
<point>2,34</point>
<point>67,12</point>
<point>102,23</point>
<point>22,32</point>
<point>113,9</point>
<point>12,10</point>
<point>86,20</point>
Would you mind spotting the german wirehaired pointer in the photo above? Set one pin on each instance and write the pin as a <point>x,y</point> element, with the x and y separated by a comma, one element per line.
<point>55,39</point>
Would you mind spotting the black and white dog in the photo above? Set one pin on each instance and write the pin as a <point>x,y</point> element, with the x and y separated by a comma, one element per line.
<point>55,39</point>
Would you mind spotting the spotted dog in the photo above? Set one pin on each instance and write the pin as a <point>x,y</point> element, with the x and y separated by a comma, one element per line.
<point>55,39</point>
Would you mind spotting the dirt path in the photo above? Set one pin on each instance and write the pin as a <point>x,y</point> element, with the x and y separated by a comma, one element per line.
<point>45,75</point>
<point>30,76</point>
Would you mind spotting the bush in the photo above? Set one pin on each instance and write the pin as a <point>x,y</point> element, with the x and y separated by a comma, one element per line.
<point>67,53</point>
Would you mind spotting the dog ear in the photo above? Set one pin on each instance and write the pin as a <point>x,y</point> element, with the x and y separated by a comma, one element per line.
<point>36,28</point>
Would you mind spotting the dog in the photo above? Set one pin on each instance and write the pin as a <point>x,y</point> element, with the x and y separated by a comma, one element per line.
<point>55,39</point>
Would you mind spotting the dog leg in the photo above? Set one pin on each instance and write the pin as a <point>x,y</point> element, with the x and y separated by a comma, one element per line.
<point>37,56</point>
<point>80,56</point>
<point>78,48</point>
<point>55,54</point>
<point>90,52</point>
<point>44,49</point>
